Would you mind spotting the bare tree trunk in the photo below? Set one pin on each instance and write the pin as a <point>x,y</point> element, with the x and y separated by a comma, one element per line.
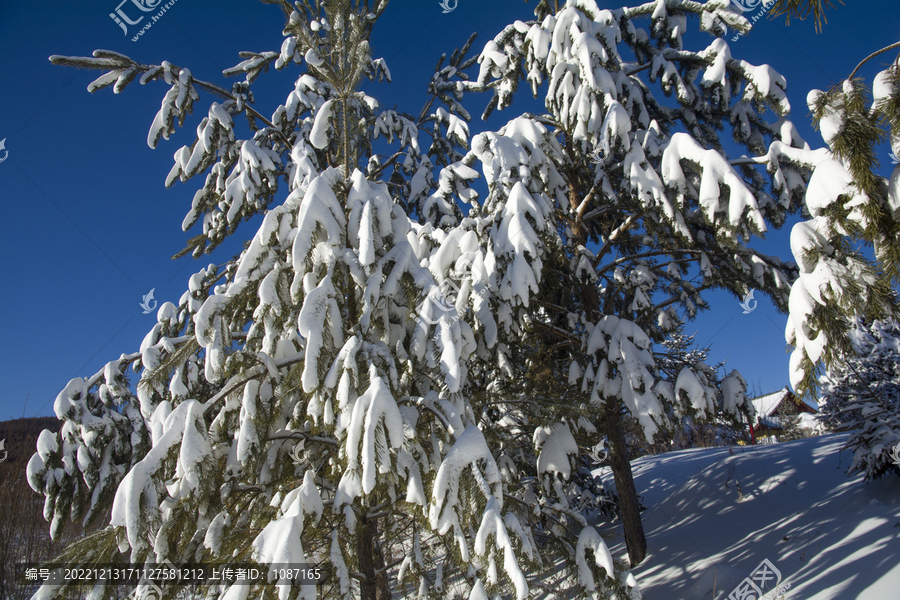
<point>381,561</point>
<point>372,561</point>
<point>629,509</point>
<point>366,551</point>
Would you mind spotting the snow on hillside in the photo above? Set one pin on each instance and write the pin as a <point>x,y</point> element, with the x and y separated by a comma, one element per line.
<point>713,515</point>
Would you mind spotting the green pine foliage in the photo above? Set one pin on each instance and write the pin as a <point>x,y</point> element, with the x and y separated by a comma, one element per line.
<point>853,208</point>
<point>861,395</point>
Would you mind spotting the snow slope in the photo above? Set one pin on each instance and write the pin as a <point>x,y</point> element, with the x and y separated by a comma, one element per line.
<point>830,536</point>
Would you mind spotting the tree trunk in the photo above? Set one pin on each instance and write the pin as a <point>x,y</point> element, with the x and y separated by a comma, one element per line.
<point>366,552</point>
<point>629,509</point>
<point>372,562</point>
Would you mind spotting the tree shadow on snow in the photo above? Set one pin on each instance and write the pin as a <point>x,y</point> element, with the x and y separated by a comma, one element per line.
<point>713,515</point>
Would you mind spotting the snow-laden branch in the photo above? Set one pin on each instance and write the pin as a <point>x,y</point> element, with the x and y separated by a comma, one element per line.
<point>126,359</point>
<point>625,259</point>
<point>239,380</point>
<point>119,63</point>
<point>304,436</point>
<point>676,299</point>
<point>649,8</point>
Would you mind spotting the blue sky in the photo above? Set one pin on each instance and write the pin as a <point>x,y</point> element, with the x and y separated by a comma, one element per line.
<point>88,227</point>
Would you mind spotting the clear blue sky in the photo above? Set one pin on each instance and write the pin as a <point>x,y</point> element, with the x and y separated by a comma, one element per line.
<point>88,227</point>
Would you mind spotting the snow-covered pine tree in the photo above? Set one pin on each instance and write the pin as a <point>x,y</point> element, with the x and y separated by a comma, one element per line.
<point>313,399</point>
<point>321,398</point>
<point>687,426</point>
<point>850,206</point>
<point>861,394</point>
<point>789,422</point>
<point>637,207</point>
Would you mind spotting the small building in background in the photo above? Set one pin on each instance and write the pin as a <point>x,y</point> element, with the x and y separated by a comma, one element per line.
<point>773,409</point>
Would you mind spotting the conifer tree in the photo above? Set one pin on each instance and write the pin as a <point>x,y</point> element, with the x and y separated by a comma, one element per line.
<point>842,343</point>
<point>647,211</point>
<point>309,401</point>
<point>851,207</point>
<point>861,395</point>
<point>396,376</point>
<point>789,423</point>
<point>687,426</point>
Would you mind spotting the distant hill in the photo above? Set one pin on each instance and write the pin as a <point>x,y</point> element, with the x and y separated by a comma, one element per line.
<point>21,438</point>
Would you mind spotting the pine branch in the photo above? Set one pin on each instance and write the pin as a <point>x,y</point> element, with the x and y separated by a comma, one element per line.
<point>123,69</point>
<point>870,57</point>
<point>800,9</point>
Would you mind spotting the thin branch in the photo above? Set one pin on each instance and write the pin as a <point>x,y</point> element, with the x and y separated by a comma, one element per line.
<point>125,360</point>
<point>596,213</point>
<point>440,417</point>
<point>519,500</point>
<point>389,162</point>
<point>378,508</point>
<point>557,307</point>
<point>305,436</point>
<point>248,488</point>
<point>559,331</point>
<point>638,69</point>
<point>873,55</point>
<point>223,93</point>
<point>630,257</point>
<point>618,231</point>
<point>390,566</point>
<point>674,300</point>
<point>237,381</point>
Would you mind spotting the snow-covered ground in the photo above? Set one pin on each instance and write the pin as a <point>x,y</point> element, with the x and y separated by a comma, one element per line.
<point>713,515</point>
